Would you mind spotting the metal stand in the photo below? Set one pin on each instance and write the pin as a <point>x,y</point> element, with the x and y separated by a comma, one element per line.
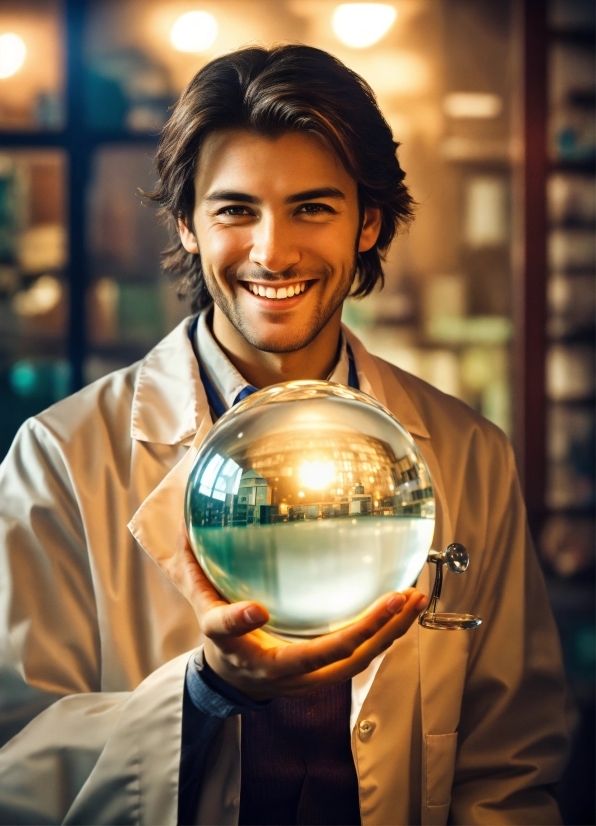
<point>457,559</point>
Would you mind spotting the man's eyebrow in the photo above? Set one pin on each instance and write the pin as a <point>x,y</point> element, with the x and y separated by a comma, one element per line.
<point>315,194</point>
<point>299,197</point>
<point>231,195</point>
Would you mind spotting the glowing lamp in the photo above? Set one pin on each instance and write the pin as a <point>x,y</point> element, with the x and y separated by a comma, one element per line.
<point>12,54</point>
<point>194,31</point>
<point>361,24</point>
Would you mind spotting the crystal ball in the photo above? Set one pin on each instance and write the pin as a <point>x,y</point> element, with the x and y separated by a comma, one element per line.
<point>313,500</point>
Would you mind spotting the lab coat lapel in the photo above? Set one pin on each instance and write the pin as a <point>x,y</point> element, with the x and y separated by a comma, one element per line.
<point>157,520</point>
<point>169,381</point>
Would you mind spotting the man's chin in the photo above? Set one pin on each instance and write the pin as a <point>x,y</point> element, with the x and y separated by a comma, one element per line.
<point>276,343</point>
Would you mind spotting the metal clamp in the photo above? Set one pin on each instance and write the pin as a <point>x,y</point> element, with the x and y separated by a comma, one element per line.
<point>457,559</point>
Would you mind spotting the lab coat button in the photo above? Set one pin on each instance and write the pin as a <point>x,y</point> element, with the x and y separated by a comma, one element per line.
<point>365,729</point>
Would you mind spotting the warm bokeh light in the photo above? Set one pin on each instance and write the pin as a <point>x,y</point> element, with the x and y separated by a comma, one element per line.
<point>393,71</point>
<point>472,105</point>
<point>194,31</point>
<point>12,54</point>
<point>41,298</point>
<point>361,24</point>
<point>317,475</point>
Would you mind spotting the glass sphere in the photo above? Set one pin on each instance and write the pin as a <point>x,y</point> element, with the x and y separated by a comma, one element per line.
<point>313,500</point>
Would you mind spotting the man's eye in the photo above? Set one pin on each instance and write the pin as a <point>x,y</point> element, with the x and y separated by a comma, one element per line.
<point>316,209</point>
<point>233,210</point>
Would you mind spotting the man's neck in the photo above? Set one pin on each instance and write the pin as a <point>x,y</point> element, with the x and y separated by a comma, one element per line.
<point>261,369</point>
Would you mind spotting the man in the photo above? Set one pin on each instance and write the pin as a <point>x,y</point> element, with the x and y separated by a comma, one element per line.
<point>282,178</point>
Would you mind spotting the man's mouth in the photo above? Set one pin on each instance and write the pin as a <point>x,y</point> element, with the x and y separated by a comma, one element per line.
<point>277,293</point>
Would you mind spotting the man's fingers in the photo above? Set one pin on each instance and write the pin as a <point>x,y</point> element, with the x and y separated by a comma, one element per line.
<point>375,645</point>
<point>233,620</point>
<point>340,645</point>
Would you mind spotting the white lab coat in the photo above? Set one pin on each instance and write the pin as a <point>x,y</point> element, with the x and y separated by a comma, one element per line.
<point>465,725</point>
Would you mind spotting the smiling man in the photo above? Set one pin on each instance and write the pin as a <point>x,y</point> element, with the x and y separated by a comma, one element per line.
<point>278,245</point>
<point>132,693</point>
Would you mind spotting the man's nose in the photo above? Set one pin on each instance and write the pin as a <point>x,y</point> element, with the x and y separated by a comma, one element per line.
<point>273,246</point>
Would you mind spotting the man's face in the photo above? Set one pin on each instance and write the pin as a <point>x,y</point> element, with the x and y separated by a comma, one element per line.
<point>277,225</point>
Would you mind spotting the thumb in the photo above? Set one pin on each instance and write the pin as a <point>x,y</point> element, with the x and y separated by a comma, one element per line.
<point>233,620</point>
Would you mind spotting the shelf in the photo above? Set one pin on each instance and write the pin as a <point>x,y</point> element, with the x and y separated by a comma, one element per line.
<point>573,271</point>
<point>586,510</point>
<point>583,167</point>
<point>587,336</point>
<point>575,594</point>
<point>581,99</point>
<point>575,37</point>
<point>122,351</point>
<point>589,400</point>
<point>64,138</point>
<point>572,223</point>
<point>41,348</point>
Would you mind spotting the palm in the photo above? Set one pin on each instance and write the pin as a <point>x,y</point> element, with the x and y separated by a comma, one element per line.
<point>264,666</point>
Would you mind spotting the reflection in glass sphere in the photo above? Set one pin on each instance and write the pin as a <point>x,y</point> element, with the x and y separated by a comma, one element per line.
<point>310,498</point>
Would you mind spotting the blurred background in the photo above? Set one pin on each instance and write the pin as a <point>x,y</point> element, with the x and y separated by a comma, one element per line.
<point>490,296</point>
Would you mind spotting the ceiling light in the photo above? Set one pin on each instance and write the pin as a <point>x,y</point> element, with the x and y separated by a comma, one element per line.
<point>194,31</point>
<point>472,105</point>
<point>361,24</point>
<point>12,54</point>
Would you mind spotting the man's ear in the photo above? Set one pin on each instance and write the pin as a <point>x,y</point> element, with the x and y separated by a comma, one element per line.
<point>371,227</point>
<point>189,242</point>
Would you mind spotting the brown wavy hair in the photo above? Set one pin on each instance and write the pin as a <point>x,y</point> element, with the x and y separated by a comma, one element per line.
<point>290,88</point>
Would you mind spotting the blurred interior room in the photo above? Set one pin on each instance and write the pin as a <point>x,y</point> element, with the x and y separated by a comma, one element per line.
<point>489,296</point>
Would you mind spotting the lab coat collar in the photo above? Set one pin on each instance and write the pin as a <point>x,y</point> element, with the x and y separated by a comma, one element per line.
<point>169,402</point>
<point>382,383</point>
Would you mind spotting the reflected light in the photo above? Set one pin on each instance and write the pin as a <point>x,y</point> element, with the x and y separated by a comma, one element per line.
<point>361,24</point>
<point>317,475</point>
<point>194,31</point>
<point>472,105</point>
<point>12,54</point>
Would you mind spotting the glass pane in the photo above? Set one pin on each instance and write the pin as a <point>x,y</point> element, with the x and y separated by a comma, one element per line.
<point>31,65</point>
<point>130,303</point>
<point>33,290</point>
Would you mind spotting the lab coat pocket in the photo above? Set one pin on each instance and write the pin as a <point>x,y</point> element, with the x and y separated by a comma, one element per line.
<point>439,759</point>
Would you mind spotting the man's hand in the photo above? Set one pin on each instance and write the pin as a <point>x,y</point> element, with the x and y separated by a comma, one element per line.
<point>262,666</point>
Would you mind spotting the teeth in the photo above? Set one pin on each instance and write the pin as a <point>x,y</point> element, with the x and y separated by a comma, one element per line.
<point>280,293</point>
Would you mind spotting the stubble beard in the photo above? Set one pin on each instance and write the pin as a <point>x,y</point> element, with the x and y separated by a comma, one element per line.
<point>318,320</point>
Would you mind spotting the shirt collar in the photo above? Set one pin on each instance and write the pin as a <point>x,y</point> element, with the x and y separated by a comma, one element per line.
<point>227,380</point>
